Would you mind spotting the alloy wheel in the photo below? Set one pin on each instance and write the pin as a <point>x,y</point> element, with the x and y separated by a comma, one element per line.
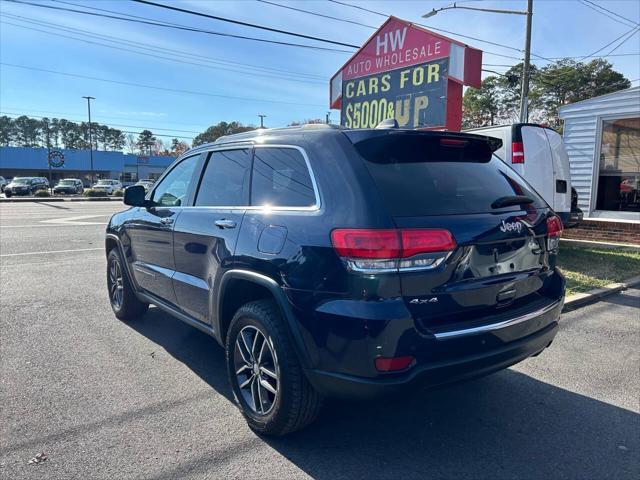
<point>116,287</point>
<point>256,369</point>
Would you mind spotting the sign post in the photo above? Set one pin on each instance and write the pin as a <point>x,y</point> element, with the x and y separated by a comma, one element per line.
<point>407,73</point>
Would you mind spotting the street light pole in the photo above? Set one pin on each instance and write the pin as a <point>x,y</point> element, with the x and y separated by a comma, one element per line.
<point>90,137</point>
<point>524,96</point>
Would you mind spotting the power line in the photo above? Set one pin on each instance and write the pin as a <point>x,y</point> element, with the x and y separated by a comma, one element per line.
<point>64,114</point>
<point>161,57</point>
<point>612,12</point>
<point>626,22</point>
<point>110,124</point>
<point>154,87</point>
<point>180,27</point>
<point>625,40</point>
<point>610,43</point>
<point>123,131</point>
<point>353,22</point>
<point>245,24</point>
<point>160,48</point>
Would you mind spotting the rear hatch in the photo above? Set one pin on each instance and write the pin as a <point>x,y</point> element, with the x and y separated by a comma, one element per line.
<point>499,262</point>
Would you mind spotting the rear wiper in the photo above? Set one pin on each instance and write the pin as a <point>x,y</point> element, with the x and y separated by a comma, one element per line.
<point>512,200</point>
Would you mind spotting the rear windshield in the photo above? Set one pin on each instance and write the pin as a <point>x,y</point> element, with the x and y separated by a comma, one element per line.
<point>417,175</point>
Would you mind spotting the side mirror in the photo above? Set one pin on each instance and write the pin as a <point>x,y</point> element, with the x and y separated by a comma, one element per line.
<point>134,196</point>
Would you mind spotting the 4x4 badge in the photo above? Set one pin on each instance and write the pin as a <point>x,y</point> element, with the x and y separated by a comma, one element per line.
<point>420,301</point>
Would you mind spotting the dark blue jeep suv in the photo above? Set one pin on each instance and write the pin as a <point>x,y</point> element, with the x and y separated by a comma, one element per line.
<point>335,262</point>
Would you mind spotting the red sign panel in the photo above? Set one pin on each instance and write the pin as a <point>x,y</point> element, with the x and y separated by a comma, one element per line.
<point>395,45</point>
<point>401,51</point>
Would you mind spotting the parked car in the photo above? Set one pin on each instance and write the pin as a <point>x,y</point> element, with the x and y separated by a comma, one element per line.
<point>3,183</point>
<point>336,262</point>
<point>69,186</point>
<point>44,180</point>
<point>537,153</point>
<point>24,186</point>
<point>147,184</point>
<point>108,186</point>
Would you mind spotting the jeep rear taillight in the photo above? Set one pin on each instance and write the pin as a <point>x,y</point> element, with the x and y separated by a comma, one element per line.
<point>517,152</point>
<point>392,250</point>
<point>554,231</point>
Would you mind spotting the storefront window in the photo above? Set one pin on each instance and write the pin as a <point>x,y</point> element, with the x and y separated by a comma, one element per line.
<point>619,179</point>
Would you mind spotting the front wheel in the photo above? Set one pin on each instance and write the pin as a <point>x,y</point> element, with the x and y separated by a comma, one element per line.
<point>267,380</point>
<point>124,302</point>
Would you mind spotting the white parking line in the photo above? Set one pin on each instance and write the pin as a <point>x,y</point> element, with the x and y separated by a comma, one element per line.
<point>50,251</point>
<point>74,220</point>
<point>86,224</point>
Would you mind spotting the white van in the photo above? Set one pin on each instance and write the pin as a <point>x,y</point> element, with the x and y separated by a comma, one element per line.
<point>537,153</point>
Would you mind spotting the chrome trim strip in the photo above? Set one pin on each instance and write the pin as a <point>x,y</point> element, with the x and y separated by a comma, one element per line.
<point>497,326</point>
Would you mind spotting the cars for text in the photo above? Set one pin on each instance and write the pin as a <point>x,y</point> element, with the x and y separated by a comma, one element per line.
<point>69,186</point>
<point>107,186</point>
<point>25,186</point>
<point>335,262</point>
<point>3,183</point>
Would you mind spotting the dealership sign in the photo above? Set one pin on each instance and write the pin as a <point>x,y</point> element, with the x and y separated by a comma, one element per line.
<point>408,73</point>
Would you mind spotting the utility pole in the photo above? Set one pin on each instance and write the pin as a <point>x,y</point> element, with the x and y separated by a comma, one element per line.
<point>262,117</point>
<point>90,137</point>
<point>49,157</point>
<point>524,96</point>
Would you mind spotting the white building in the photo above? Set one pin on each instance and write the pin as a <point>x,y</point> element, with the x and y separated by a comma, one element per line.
<point>602,138</point>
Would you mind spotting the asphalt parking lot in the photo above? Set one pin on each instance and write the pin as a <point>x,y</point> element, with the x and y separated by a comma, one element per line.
<point>105,399</point>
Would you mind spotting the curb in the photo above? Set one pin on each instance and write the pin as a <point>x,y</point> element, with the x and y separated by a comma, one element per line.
<point>595,244</point>
<point>60,199</point>
<point>581,299</point>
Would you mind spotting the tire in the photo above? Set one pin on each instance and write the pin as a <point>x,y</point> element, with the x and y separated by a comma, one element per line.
<point>124,302</point>
<point>295,403</point>
<point>7,194</point>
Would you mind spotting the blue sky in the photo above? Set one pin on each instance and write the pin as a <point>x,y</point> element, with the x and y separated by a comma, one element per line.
<point>296,77</point>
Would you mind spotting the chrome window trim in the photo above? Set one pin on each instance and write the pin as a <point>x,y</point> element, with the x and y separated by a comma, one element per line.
<point>254,208</point>
<point>497,326</point>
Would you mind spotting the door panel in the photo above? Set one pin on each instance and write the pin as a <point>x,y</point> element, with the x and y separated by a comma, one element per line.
<point>562,200</point>
<point>151,239</point>
<point>538,166</point>
<point>205,235</point>
<point>203,251</point>
<point>151,230</point>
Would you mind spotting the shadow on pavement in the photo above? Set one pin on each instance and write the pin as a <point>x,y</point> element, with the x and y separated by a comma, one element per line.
<point>628,298</point>
<point>508,425</point>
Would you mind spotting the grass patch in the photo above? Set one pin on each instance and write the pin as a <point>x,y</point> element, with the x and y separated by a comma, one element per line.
<point>589,268</point>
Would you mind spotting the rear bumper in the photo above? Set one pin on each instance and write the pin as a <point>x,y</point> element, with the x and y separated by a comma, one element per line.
<point>437,373</point>
<point>575,217</point>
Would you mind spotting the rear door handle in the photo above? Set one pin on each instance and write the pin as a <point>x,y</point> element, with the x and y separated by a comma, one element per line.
<point>223,223</point>
<point>166,221</point>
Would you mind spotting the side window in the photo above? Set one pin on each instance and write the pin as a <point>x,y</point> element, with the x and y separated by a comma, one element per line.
<point>281,179</point>
<point>225,181</point>
<point>172,190</point>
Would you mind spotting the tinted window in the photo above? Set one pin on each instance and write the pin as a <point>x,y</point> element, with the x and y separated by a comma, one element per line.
<point>172,190</point>
<point>417,175</point>
<point>281,179</point>
<point>225,181</point>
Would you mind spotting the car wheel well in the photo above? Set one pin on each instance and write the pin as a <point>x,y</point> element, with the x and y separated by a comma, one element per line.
<point>110,244</point>
<point>238,292</point>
